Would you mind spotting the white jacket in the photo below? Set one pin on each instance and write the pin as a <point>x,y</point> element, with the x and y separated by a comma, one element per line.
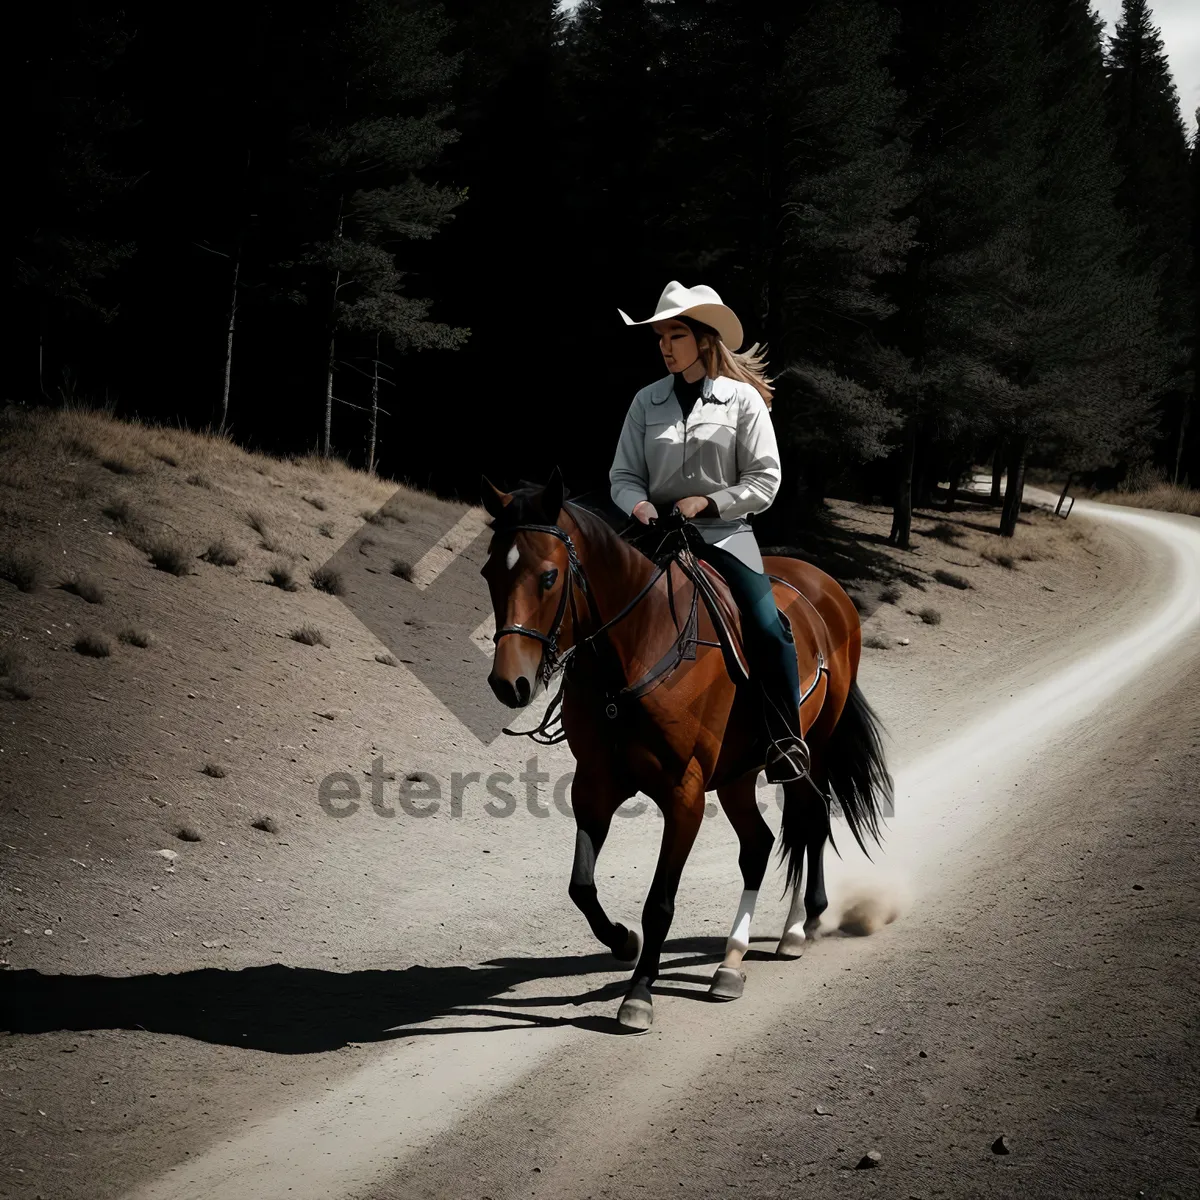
<point>726,450</point>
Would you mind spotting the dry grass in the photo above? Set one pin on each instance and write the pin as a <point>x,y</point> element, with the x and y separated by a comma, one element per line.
<point>169,554</point>
<point>890,594</point>
<point>875,642</point>
<point>1165,497</point>
<point>188,833</point>
<point>200,480</point>
<point>1000,559</point>
<point>85,587</point>
<point>280,575</point>
<point>266,824</point>
<point>325,529</point>
<point>388,660</point>
<point>930,616</point>
<point>950,579</point>
<point>316,502</point>
<point>327,579</point>
<point>20,568</point>
<point>121,466</point>
<point>93,645</point>
<point>309,635</point>
<point>132,635</point>
<point>213,770</point>
<point>372,517</point>
<point>946,533</point>
<point>403,568</point>
<point>221,554</point>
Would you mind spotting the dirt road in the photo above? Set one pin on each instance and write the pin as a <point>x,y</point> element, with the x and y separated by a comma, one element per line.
<point>1040,984</point>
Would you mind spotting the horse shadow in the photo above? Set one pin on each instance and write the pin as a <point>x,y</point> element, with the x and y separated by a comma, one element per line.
<point>304,1010</point>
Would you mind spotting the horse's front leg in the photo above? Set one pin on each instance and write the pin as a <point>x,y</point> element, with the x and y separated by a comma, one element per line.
<point>594,803</point>
<point>682,814</point>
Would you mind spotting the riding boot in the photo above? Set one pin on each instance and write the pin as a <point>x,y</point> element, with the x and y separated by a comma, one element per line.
<point>787,757</point>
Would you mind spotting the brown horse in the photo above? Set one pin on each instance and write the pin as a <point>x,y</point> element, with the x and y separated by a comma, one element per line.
<point>564,583</point>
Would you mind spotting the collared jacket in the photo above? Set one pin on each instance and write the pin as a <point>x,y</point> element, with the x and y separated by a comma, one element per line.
<point>726,449</point>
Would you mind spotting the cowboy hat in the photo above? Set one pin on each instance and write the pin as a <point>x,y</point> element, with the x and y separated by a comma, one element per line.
<point>700,303</point>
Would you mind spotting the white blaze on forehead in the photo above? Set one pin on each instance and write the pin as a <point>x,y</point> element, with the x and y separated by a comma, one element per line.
<point>511,558</point>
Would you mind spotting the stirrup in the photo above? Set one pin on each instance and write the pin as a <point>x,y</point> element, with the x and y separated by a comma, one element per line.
<point>788,761</point>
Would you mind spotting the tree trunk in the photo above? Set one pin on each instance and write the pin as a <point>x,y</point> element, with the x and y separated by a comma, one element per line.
<point>1183,424</point>
<point>1015,487</point>
<point>328,396</point>
<point>1063,495</point>
<point>901,534</point>
<point>374,411</point>
<point>237,266</point>
<point>997,471</point>
<point>952,495</point>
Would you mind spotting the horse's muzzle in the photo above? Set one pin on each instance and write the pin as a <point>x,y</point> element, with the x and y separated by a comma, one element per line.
<point>515,693</point>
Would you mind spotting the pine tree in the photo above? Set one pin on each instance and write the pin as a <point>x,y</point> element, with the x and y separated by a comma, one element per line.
<point>841,230</point>
<point>76,113</point>
<point>1155,195</point>
<point>383,87</point>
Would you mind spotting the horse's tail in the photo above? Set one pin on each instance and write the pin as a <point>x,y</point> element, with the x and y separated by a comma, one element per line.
<point>859,783</point>
<point>857,770</point>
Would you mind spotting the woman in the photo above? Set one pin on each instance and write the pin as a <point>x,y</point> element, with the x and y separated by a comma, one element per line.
<point>701,441</point>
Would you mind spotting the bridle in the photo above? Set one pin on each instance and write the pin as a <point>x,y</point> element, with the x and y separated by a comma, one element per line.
<point>552,662</point>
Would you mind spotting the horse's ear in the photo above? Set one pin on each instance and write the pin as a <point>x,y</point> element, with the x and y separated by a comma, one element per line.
<point>552,497</point>
<point>494,499</point>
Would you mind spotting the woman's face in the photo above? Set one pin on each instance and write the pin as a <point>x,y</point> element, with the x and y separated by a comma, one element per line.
<point>677,344</point>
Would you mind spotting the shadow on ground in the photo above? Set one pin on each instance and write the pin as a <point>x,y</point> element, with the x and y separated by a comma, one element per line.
<point>301,1010</point>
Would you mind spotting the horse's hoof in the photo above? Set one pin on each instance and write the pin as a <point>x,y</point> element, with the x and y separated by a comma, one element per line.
<point>727,984</point>
<point>791,945</point>
<point>629,950</point>
<point>637,1015</point>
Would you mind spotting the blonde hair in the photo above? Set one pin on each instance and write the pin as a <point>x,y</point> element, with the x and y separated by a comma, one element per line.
<point>747,366</point>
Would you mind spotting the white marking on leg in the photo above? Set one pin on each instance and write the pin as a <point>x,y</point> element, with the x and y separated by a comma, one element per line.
<point>739,936</point>
<point>793,928</point>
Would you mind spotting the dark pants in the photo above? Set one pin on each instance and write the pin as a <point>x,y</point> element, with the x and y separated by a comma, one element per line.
<point>770,647</point>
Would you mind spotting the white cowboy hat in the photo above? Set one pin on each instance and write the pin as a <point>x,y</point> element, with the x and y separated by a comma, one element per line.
<point>699,302</point>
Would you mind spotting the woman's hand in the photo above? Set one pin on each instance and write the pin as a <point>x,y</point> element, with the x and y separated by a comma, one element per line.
<point>691,506</point>
<point>645,512</point>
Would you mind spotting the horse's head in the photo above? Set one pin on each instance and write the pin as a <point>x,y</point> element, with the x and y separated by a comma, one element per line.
<point>528,574</point>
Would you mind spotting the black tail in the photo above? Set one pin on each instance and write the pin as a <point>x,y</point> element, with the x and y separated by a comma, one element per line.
<point>859,784</point>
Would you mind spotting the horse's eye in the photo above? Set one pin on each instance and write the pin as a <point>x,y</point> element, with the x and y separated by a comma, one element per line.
<point>548,578</point>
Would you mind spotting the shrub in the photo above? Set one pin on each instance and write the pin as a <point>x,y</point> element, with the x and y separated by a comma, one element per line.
<point>945,532</point>
<point>220,553</point>
<point>200,480</point>
<point>403,568</point>
<point>325,529</point>
<point>266,824</point>
<point>373,518</point>
<point>257,522</point>
<point>20,569</point>
<point>930,616</point>
<point>388,660</point>
<point>890,594</point>
<point>213,770</point>
<point>170,555</point>
<point>316,502</point>
<point>121,512</point>
<point>94,645</point>
<point>326,579</point>
<point>875,642</point>
<point>119,466</point>
<point>131,635</point>
<point>309,635</point>
<point>280,574</point>
<point>186,833</point>
<point>951,580</point>
<point>85,587</point>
